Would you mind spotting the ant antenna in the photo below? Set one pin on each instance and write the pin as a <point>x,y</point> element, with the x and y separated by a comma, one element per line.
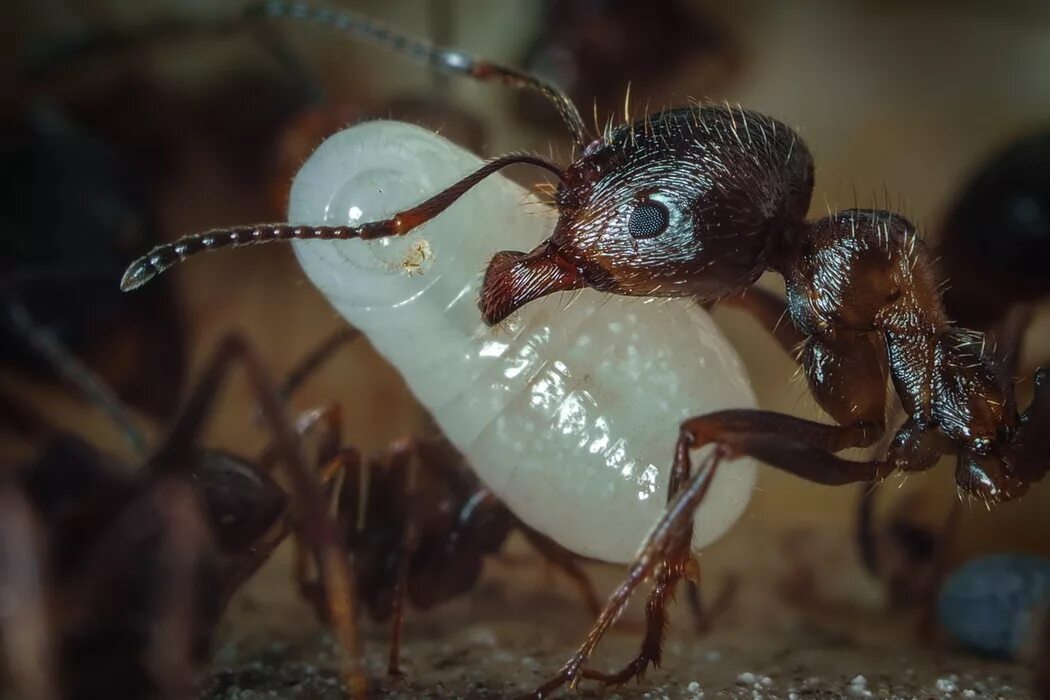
<point>451,60</point>
<point>74,371</point>
<point>164,256</point>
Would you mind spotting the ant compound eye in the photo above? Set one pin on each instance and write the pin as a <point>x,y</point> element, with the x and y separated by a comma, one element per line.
<point>648,219</point>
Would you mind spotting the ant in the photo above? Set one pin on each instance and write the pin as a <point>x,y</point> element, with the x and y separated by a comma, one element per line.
<point>697,202</point>
<point>991,239</point>
<point>118,577</point>
<point>994,236</point>
<point>415,520</point>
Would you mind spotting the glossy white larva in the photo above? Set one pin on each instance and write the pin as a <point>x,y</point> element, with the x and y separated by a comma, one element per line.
<point>568,411</point>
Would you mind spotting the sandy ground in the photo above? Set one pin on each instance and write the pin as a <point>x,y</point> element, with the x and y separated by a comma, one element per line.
<point>522,622</point>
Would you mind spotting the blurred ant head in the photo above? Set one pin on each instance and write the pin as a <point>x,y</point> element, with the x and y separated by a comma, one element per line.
<point>689,203</point>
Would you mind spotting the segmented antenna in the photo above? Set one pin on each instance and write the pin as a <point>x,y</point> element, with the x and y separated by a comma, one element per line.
<point>451,60</point>
<point>165,256</point>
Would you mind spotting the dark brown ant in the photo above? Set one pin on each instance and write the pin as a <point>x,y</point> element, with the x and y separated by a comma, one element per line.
<point>990,245</point>
<point>697,203</point>
<point>993,239</point>
<point>415,520</point>
<point>114,579</point>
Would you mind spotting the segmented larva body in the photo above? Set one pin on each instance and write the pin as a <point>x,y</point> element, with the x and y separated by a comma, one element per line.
<point>569,410</point>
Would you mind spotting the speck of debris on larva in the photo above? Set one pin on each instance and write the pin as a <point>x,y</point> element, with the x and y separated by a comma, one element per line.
<point>417,254</point>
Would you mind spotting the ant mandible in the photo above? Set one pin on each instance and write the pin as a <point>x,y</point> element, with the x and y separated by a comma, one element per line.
<point>698,202</point>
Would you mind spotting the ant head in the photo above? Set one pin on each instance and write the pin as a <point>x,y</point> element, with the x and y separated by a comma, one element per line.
<point>689,203</point>
<point>241,502</point>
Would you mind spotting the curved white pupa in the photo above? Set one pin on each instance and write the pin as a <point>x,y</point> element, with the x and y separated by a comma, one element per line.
<point>569,411</point>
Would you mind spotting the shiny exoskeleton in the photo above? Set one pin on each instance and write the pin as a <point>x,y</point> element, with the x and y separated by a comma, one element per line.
<point>732,187</point>
<point>697,203</point>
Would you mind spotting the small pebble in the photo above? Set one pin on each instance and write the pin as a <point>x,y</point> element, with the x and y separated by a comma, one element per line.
<point>946,685</point>
<point>746,677</point>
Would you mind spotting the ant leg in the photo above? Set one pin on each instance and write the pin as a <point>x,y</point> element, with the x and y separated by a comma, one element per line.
<point>175,645</point>
<point>316,358</point>
<point>311,514</point>
<point>24,624</point>
<point>801,447</point>
<point>245,561</point>
<point>771,312</point>
<point>1010,335</point>
<point>668,540</point>
<point>1027,452</point>
<point>938,571</point>
<point>406,451</point>
<point>75,372</point>
<point>330,476</point>
<point>705,615</point>
<point>568,562</point>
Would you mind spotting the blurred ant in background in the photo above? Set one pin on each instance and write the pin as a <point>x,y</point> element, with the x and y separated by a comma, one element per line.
<point>117,577</point>
<point>166,549</point>
<point>415,520</point>
<point>992,247</point>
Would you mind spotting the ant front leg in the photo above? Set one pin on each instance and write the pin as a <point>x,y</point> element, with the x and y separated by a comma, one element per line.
<point>666,544</point>
<point>311,514</point>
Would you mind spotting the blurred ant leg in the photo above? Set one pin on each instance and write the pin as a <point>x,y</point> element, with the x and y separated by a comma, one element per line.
<point>24,624</point>
<point>568,562</point>
<point>771,312</point>
<point>704,616</point>
<point>409,451</point>
<point>1010,334</point>
<point>938,571</point>
<point>345,461</point>
<point>174,645</point>
<point>325,421</point>
<point>74,372</point>
<point>316,359</point>
<point>668,541</point>
<point>867,538</point>
<point>311,514</point>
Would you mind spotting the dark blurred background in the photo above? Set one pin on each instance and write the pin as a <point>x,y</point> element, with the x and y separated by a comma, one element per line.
<point>128,123</point>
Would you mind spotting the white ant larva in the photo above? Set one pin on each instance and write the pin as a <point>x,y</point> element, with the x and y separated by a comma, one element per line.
<point>567,409</point>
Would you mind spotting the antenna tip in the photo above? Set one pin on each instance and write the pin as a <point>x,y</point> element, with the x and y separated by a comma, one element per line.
<point>138,273</point>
